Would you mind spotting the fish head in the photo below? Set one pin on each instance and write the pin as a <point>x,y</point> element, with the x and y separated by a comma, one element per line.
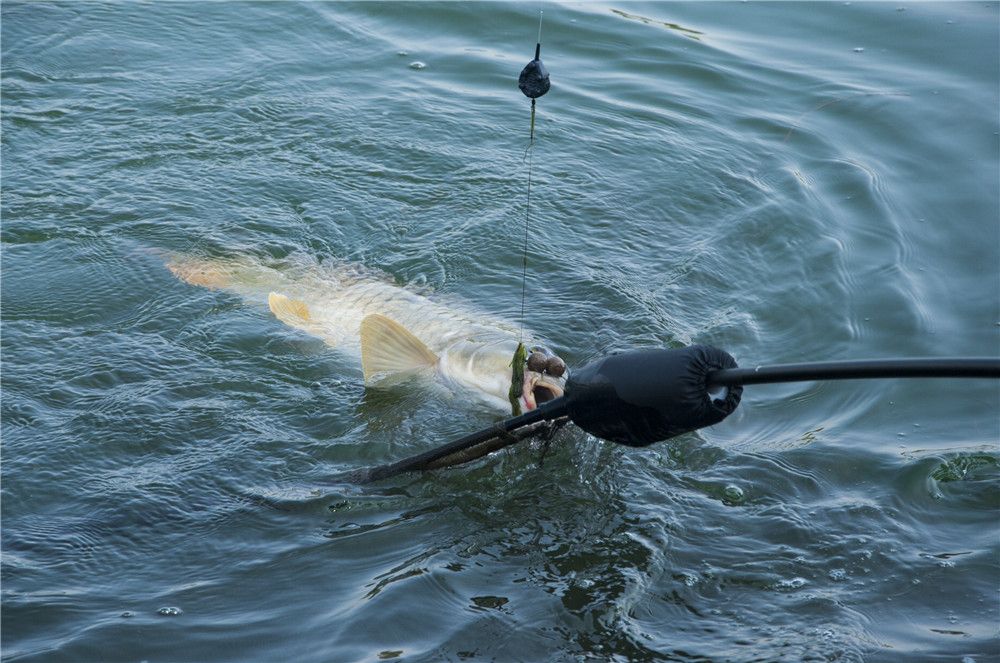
<point>484,369</point>
<point>544,378</point>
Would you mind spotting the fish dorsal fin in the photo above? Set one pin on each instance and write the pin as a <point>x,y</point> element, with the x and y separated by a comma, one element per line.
<point>290,311</point>
<point>387,347</point>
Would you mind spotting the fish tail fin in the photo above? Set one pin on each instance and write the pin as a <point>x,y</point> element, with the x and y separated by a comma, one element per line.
<point>387,348</point>
<point>204,273</point>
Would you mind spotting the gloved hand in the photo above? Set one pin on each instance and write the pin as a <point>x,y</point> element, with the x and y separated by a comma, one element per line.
<point>637,398</point>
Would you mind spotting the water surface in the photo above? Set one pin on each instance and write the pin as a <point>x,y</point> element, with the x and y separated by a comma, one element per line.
<point>790,182</point>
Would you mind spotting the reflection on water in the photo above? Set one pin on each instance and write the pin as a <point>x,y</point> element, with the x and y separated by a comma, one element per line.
<point>687,32</point>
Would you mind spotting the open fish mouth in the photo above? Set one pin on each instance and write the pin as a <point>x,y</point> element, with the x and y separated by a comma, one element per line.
<point>539,389</point>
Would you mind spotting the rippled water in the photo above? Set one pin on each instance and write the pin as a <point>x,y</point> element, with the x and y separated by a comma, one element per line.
<point>790,182</point>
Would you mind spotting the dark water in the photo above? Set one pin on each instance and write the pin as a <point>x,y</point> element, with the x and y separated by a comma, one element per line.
<point>791,182</point>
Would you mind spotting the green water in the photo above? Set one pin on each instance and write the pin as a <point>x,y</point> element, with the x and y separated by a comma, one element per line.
<point>790,182</point>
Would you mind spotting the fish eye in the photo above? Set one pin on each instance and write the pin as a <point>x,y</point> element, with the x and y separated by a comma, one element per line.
<point>555,367</point>
<point>536,362</point>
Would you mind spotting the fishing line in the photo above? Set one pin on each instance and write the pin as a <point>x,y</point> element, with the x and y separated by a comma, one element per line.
<point>524,250</point>
<point>533,82</point>
<point>837,100</point>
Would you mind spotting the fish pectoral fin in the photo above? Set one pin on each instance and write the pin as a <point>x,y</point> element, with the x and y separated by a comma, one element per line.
<point>387,348</point>
<point>292,312</point>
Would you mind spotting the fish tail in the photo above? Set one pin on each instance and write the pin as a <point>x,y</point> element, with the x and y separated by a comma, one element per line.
<point>203,273</point>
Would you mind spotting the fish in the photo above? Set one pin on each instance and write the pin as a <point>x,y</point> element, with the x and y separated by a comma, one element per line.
<point>395,332</point>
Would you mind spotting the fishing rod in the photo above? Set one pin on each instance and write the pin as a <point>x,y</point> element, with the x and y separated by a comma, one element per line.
<point>943,367</point>
<point>644,396</point>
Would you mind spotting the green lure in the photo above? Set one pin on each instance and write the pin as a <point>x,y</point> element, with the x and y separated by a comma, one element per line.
<point>517,379</point>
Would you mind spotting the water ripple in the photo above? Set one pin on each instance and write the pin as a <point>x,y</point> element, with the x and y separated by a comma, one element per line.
<point>731,174</point>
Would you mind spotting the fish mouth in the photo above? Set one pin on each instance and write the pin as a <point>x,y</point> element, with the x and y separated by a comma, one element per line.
<point>539,389</point>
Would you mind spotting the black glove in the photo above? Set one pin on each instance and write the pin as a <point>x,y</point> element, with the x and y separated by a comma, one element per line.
<point>637,398</point>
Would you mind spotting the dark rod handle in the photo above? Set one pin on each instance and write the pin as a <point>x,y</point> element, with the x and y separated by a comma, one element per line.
<point>950,367</point>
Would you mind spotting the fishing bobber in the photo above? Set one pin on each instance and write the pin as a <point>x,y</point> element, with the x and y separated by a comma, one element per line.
<point>534,78</point>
